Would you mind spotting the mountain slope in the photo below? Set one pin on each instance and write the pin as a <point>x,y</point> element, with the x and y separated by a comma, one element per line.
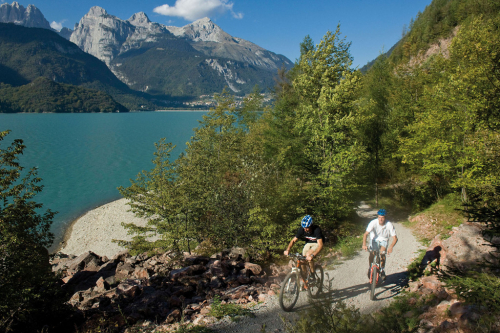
<point>45,95</point>
<point>196,59</point>
<point>208,38</point>
<point>29,53</point>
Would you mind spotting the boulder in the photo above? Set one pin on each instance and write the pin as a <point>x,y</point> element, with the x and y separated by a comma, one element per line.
<point>87,261</point>
<point>121,256</point>
<point>174,316</point>
<point>124,269</point>
<point>141,273</point>
<point>129,288</point>
<point>101,285</point>
<point>431,282</point>
<point>254,268</point>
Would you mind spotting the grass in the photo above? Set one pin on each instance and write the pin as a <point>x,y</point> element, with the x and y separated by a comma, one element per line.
<point>439,218</point>
<point>220,310</point>
<point>194,329</point>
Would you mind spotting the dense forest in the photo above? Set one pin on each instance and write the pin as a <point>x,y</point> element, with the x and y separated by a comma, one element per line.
<point>45,95</point>
<point>417,131</point>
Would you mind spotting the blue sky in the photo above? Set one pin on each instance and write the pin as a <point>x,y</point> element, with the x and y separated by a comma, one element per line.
<point>276,25</point>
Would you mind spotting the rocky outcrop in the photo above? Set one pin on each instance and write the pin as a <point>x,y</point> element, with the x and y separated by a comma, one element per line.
<point>447,314</point>
<point>30,17</point>
<point>210,39</point>
<point>163,288</point>
<point>106,36</point>
<point>210,58</point>
<point>464,247</point>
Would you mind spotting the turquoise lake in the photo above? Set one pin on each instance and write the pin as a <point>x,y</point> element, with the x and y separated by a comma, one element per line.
<point>83,158</point>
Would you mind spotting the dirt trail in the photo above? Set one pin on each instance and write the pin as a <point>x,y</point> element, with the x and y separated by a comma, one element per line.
<point>349,283</point>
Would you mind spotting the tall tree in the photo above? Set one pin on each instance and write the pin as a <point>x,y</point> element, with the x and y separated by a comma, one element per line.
<point>26,278</point>
<point>326,86</point>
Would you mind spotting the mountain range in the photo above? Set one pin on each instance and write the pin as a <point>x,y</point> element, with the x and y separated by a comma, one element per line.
<point>199,58</point>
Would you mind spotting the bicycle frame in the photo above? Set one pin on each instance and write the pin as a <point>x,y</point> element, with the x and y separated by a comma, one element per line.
<point>301,261</point>
<point>294,282</point>
<point>375,266</point>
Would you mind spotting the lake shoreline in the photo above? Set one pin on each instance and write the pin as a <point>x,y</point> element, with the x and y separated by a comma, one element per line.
<point>95,230</point>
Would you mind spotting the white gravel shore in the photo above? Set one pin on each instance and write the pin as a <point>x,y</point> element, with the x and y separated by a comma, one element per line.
<point>96,229</point>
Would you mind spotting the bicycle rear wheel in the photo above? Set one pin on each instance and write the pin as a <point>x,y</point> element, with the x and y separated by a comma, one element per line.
<point>373,281</point>
<point>289,292</point>
<point>315,287</point>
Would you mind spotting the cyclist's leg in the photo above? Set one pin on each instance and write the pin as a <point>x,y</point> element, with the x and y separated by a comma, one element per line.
<point>371,248</point>
<point>383,247</point>
<point>309,249</point>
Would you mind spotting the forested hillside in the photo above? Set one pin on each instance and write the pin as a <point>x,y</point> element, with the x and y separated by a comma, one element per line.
<point>45,95</point>
<point>29,53</point>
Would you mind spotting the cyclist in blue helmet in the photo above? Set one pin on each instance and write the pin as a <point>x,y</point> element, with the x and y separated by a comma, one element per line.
<point>312,235</point>
<point>380,231</point>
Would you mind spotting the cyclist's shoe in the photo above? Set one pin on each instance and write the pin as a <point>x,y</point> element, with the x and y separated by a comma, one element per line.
<point>311,279</point>
<point>369,271</point>
<point>382,275</point>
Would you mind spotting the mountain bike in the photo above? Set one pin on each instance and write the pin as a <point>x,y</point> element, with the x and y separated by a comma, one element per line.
<point>294,282</point>
<point>375,270</point>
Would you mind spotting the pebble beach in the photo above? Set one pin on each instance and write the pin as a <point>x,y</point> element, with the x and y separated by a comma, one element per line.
<point>95,230</point>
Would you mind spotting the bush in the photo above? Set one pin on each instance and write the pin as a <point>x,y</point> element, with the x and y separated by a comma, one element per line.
<point>29,296</point>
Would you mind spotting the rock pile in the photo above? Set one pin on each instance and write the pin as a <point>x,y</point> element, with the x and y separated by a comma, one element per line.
<point>448,313</point>
<point>463,248</point>
<point>165,288</point>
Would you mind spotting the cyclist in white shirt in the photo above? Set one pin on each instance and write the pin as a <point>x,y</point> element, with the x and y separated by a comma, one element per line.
<point>380,232</point>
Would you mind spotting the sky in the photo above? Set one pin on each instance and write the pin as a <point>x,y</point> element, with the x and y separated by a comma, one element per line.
<point>372,26</point>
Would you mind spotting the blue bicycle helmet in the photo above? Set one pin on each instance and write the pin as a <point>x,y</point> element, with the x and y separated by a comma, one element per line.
<point>382,212</point>
<point>307,221</point>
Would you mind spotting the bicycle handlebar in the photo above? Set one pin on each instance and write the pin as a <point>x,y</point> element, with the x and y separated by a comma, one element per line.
<point>297,255</point>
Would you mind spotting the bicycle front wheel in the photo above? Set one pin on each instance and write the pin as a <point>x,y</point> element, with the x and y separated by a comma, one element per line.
<point>314,287</point>
<point>373,280</point>
<point>289,292</point>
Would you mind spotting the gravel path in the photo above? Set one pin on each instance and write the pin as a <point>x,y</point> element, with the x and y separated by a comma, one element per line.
<point>349,283</point>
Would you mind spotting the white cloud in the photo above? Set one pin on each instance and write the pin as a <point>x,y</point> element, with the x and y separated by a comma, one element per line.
<point>192,10</point>
<point>57,25</point>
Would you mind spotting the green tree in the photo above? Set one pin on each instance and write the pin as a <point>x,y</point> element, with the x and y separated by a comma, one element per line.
<point>326,86</point>
<point>26,280</point>
<point>154,195</point>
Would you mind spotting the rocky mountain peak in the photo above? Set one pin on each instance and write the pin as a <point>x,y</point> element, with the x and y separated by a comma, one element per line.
<point>97,11</point>
<point>202,30</point>
<point>30,17</point>
<point>139,19</point>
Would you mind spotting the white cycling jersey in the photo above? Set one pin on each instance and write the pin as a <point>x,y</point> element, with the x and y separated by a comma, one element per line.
<point>380,232</point>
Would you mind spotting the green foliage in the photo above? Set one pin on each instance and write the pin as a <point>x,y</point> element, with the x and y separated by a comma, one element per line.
<point>28,297</point>
<point>481,290</point>
<point>219,310</point>
<point>155,196</point>
<point>415,269</point>
<point>28,53</point>
<point>324,316</point>
<point>194,329</point>
<point>44,95</point>
<point>437,21</point>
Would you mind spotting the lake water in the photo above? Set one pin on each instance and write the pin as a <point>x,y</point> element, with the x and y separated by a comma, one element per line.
<point>83,158</point>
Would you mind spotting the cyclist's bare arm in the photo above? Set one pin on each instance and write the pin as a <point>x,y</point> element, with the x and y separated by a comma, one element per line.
<point>364,241</point>
<point>287,251</point>
<point>394,241</point>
